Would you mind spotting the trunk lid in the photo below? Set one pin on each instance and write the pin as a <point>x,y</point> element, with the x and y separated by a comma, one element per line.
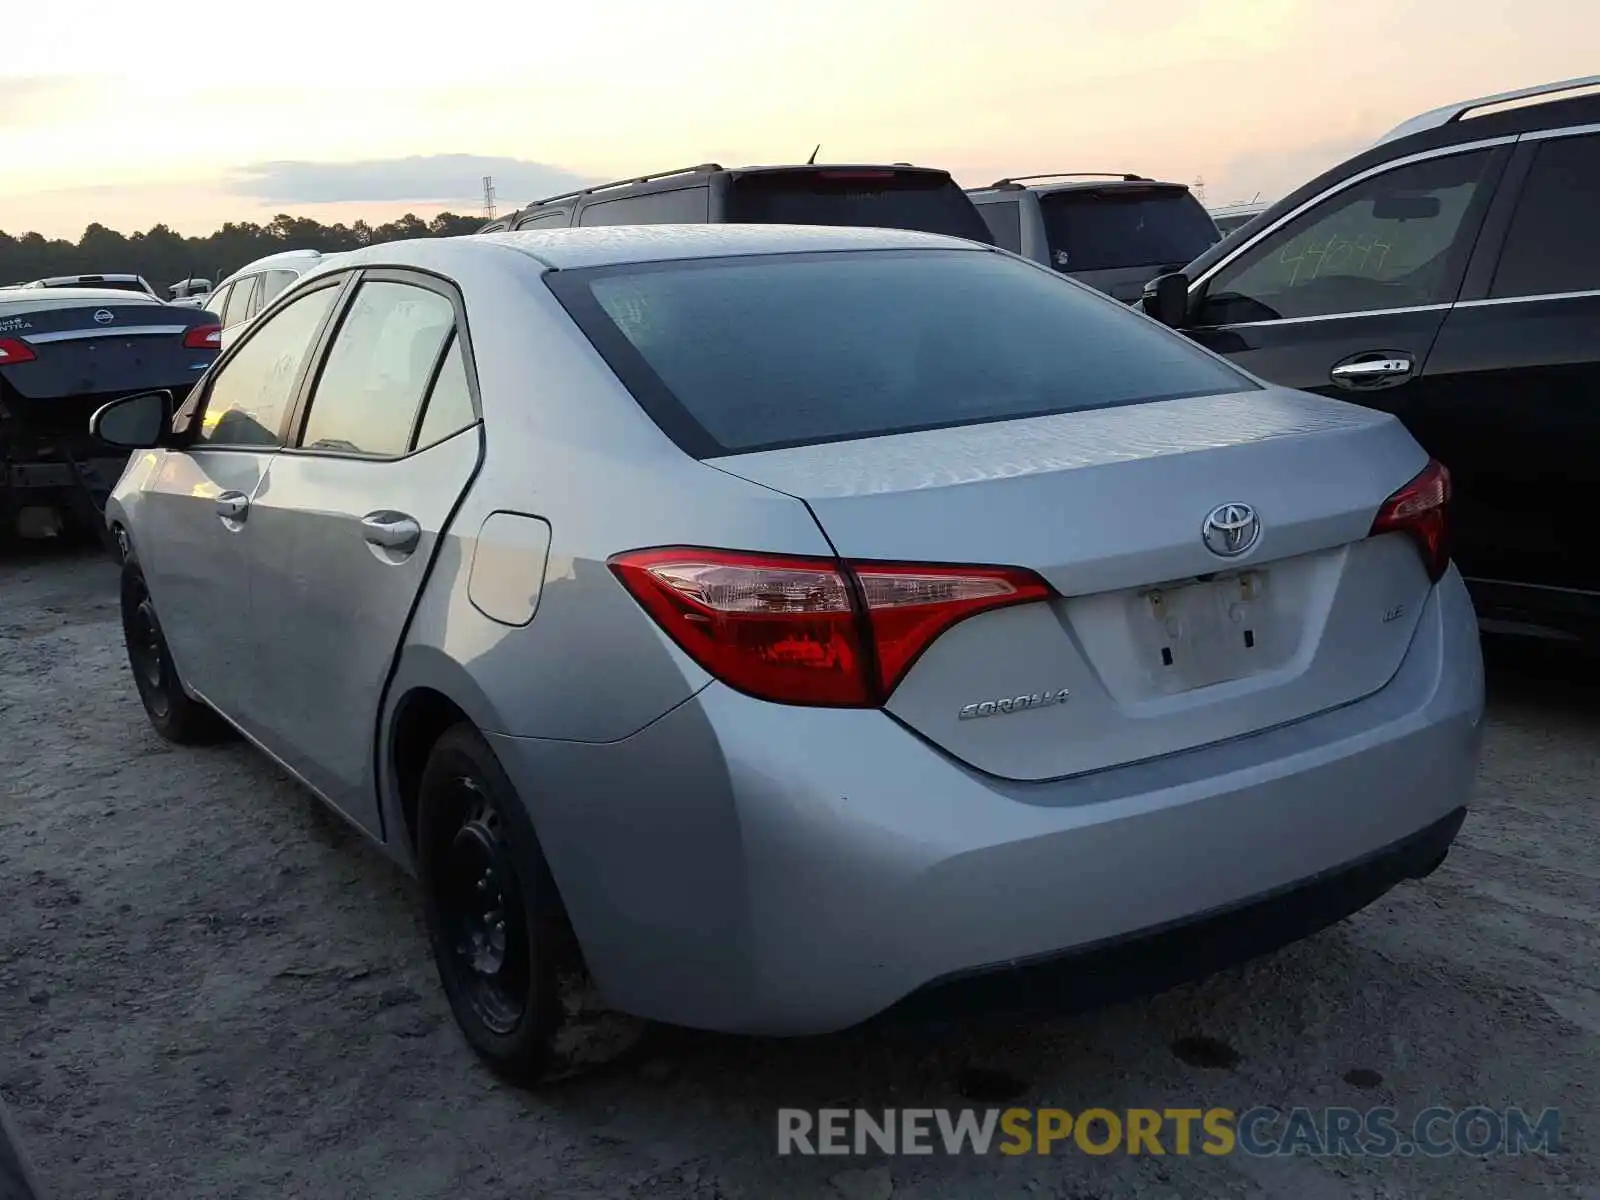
<point>102,347</point>
<point>1160,644</point>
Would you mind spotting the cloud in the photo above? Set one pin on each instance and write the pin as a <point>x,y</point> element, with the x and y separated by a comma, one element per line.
<point>420,179</point>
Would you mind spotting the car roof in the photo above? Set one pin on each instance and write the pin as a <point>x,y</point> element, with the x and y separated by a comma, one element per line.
<point>1088,182</point>
<point>64,279</point>
<point>691,176</point>
<point>614,245</point>
<point>302,260</point>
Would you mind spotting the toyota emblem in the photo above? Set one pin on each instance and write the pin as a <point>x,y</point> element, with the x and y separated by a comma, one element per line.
<point>104,316</point>
<point>1230,530</point>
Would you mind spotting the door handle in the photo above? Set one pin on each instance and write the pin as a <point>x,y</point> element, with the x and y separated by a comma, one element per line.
<point>1375,370</point>
<point>391,531</point>
<point>233,506</point>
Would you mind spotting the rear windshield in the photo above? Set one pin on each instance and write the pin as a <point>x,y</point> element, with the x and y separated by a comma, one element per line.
<point>1099,230</point>
<point>756,353</point>
<point>925,201</point>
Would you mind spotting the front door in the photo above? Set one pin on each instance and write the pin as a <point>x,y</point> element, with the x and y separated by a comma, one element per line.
<point>1348,297</point>
<point>198,554</point>
<point>348,529</point>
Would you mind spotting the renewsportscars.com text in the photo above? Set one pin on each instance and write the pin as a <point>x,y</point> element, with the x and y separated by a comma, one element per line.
<point>1257,1132</point>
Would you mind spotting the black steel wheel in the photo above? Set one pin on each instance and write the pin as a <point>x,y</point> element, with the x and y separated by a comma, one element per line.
<point>173,713</point>
<point>506,956</point>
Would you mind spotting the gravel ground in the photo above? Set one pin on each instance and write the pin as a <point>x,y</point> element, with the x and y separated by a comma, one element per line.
<point>210,988</point>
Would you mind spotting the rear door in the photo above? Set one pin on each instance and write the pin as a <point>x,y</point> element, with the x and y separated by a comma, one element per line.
<point>1347,296</point>
<point>387,442</point>
<point>1119,236</point>
<point>882,197</point>
<point>1511,394</point>
<point>194,532</point>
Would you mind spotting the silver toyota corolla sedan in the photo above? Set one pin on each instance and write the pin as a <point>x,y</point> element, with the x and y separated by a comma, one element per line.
<point>769,628</point>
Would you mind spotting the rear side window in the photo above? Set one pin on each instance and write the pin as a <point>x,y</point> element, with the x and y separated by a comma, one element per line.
<point>1103,229</point>
<point>925,201</point>
<point>1553,245</point>
<point>554,219</point>
<point>1004,219</point>
<point>736,355</point>
<point>685,206</point>
<point>449,408</point>
<point>272,285</point>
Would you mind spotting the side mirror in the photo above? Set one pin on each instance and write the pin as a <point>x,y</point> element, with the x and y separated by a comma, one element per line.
<point>137,422</point>
<point>1166,298</point>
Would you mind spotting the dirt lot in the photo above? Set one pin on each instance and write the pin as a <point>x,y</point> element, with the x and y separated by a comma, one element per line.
<point>208,988</point>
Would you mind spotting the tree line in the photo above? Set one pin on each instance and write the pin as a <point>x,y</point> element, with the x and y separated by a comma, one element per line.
<point>164,257</point>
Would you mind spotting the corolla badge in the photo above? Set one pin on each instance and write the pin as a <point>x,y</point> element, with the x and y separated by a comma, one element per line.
<point>104,316</point>
<point>1014,704</point>
<point>1230,530</point>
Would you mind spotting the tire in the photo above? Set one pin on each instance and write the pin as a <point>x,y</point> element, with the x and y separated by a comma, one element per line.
<point>173,713</point>
<point>507,959</point>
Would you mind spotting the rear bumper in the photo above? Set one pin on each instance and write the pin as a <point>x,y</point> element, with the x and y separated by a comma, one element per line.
<point>1153,960</point>
<point>756,868</point>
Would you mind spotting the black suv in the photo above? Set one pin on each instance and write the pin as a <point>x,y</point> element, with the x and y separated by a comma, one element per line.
<point>893,197</point>
<point>1450,274</point>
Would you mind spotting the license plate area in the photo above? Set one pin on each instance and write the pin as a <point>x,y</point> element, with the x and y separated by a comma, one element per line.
<point>1193,635</point>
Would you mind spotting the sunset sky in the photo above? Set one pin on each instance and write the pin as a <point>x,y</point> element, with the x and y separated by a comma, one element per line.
<point>131,115</point>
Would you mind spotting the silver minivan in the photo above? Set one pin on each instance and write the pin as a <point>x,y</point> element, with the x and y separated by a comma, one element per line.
<point>1112,232</point>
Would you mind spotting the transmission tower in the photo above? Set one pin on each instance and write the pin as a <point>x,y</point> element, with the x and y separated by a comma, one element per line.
<point>488,197</point>
<point>1200,188</point>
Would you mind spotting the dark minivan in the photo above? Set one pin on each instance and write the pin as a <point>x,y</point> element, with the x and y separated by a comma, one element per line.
<point>898,196</point>
<point>1449,274</point>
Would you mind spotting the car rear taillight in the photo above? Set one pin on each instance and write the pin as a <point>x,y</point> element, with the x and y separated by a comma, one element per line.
<point>855,174</point>
<point>203,337</point>
<point>1420,510</point>
<point>13,351</point>
<point>800,630</point>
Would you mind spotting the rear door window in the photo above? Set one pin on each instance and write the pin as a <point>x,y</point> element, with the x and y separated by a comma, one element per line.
<point>1553,245</point>
<point>238,306</point>
<point>684,206</point>
<point>926,201</point>
<point>379,367</point>
<point>735,355</point>
<point>1102,229</point>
